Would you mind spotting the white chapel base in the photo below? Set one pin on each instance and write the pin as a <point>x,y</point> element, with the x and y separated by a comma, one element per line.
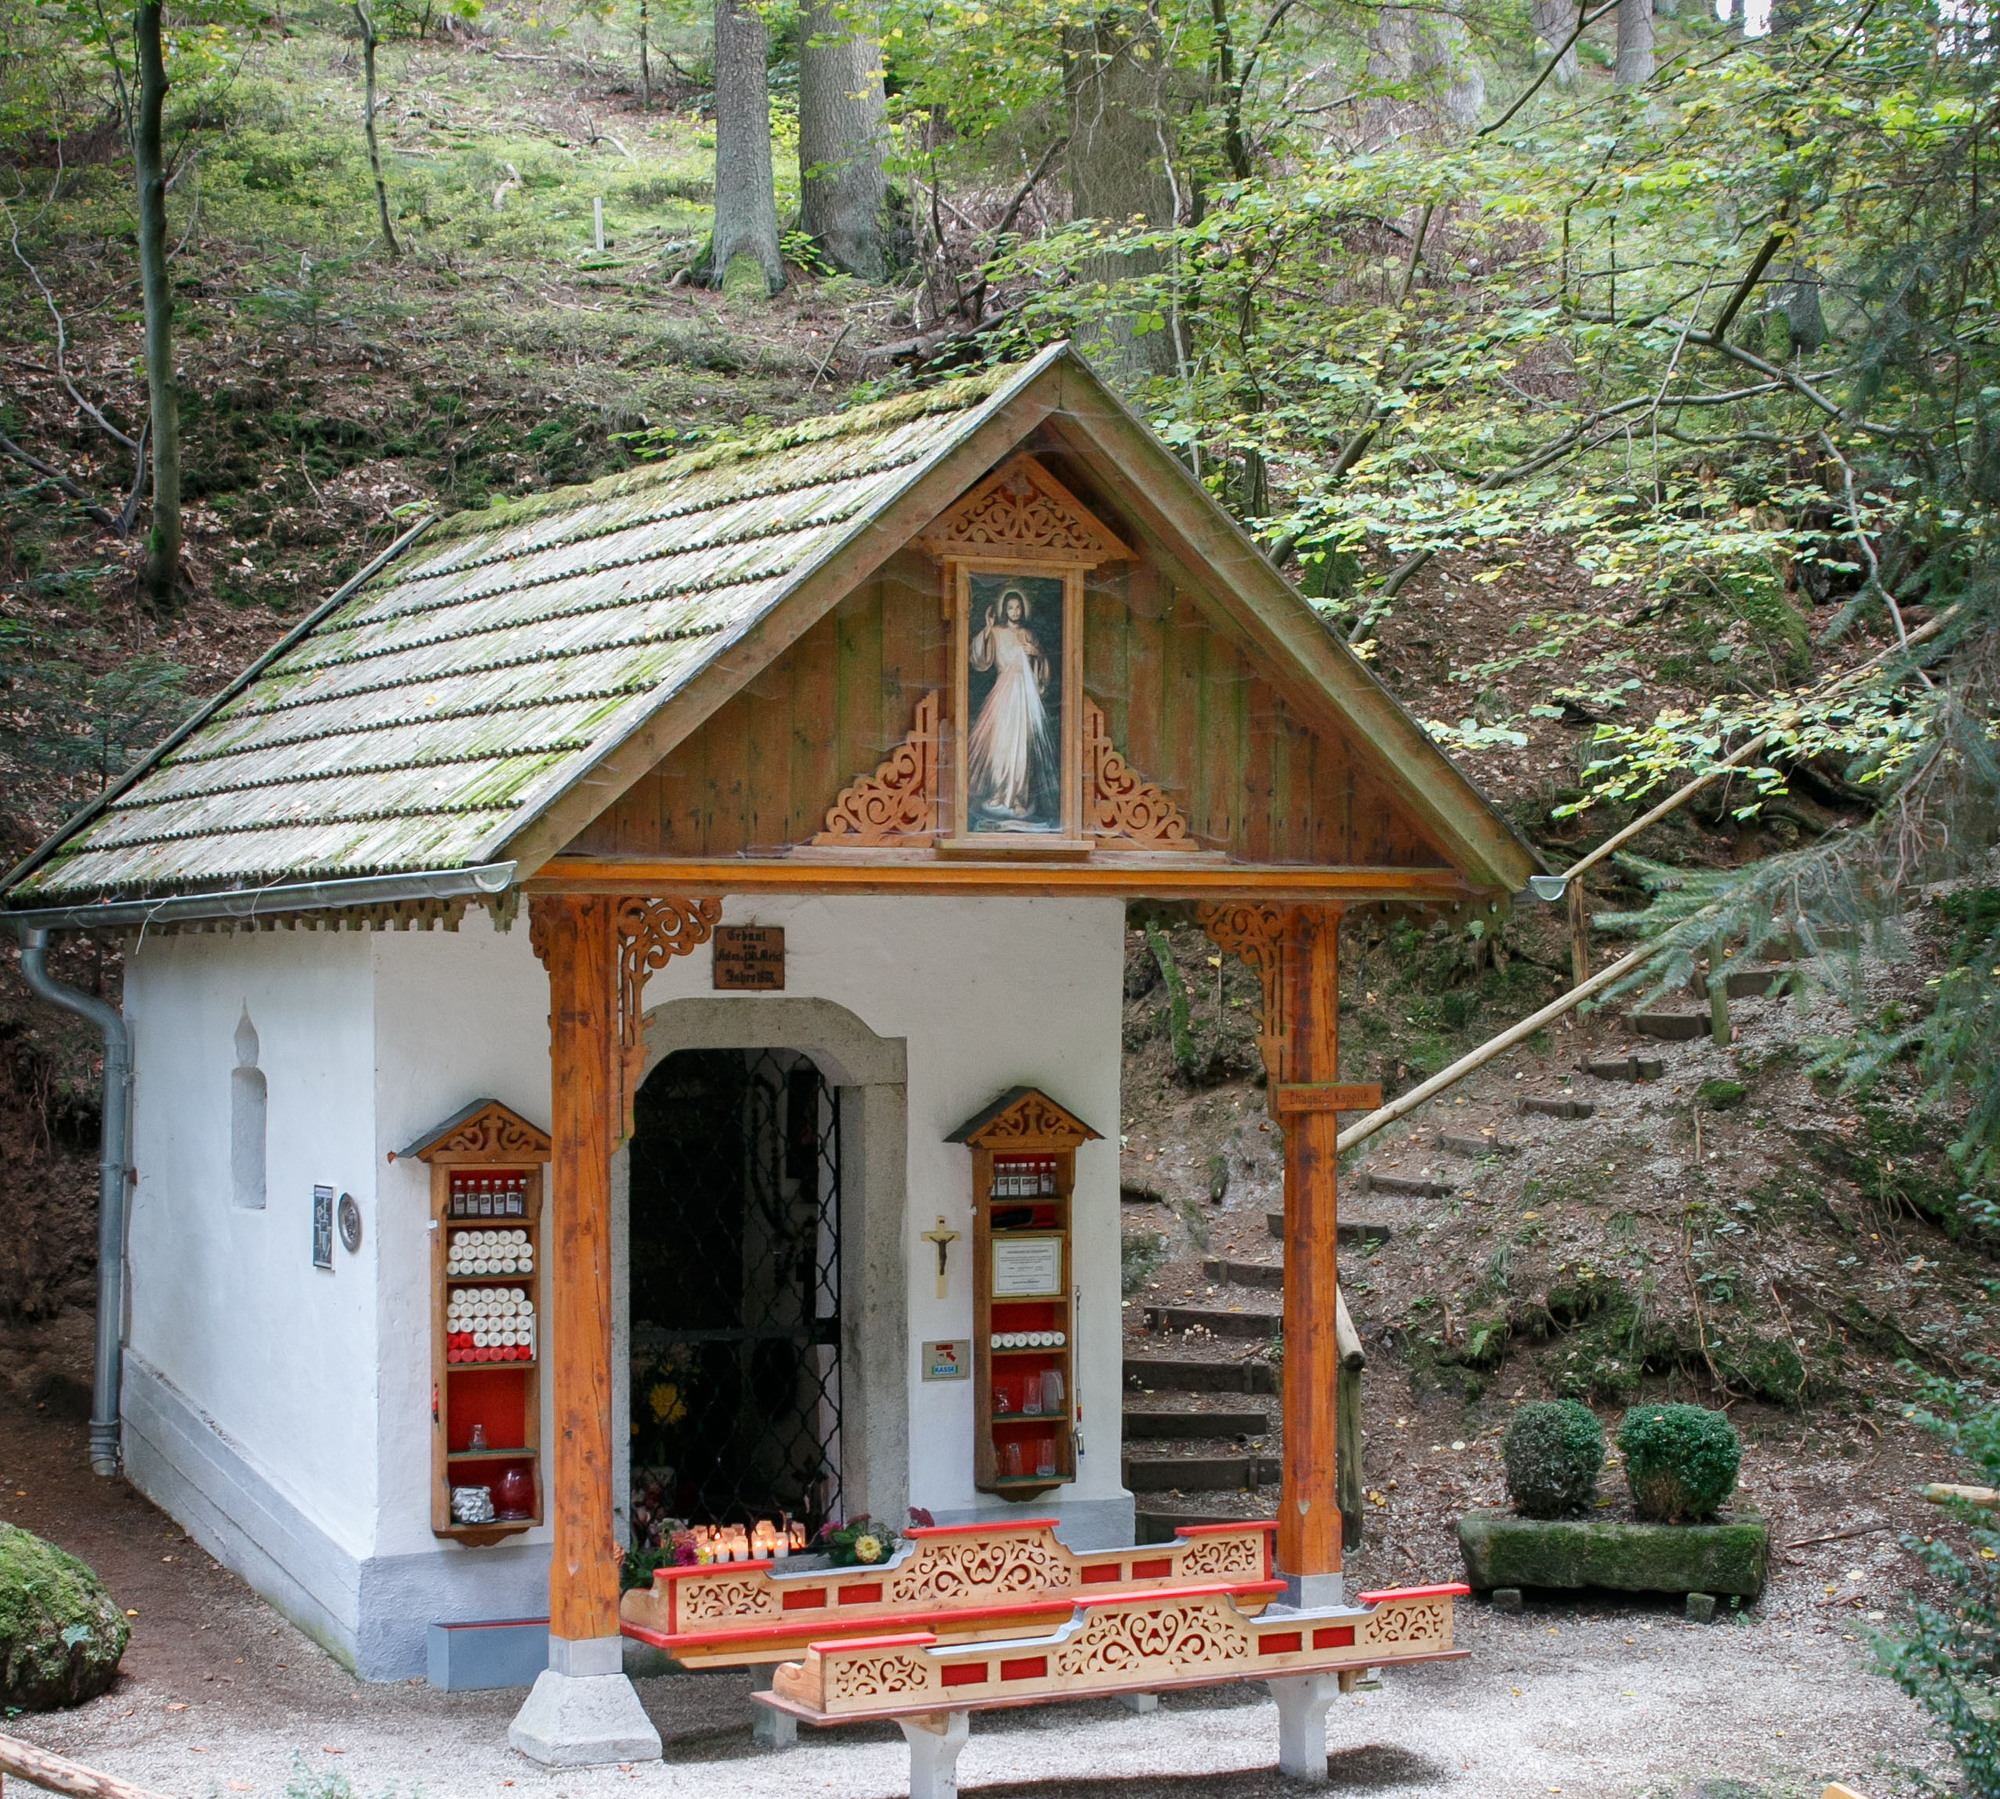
<point>1302,1703</point>
<point>583,1711</point>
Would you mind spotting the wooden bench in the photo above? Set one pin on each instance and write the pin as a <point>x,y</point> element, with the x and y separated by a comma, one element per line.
<point>1113,1645</point>
<point>944,1580</point>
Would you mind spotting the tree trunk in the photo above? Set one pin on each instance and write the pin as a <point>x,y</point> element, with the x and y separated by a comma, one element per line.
<point>645,63</point>
<point>160,575</point>
<point>1119,139</point>
<point>1554,21</point>
<point>1431,51</point>
<point>1635,43</point>
<point>841,184</point>
<point>368,42</point>
<point>746,206</point>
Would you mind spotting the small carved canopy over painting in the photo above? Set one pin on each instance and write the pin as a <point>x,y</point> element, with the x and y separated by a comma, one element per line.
<point>1023,1115</point>
<point>484,1131</point>
<point>1022,513</point>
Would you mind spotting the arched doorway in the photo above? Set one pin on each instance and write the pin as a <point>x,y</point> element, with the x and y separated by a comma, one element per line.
<point>735,1233</point>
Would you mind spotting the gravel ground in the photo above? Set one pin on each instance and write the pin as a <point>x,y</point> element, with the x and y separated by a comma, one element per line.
<point>219,1696</point>
<point>1555,1701</point>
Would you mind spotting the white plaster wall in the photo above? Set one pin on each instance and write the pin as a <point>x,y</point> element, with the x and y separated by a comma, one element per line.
<point>225,1302</point>
<point>321,1381</point>
<point>459,1015</point>
<point>988,994</point>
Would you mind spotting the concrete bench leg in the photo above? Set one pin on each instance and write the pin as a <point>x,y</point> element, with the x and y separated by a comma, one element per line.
<point>1302,1702</point>
<point>1140,1702</point>
<point>935,1740</point>
<point>770,1729</point>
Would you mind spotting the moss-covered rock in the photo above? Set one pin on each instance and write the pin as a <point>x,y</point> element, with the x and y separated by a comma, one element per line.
<point>60,1633</point>
<point>1720,1095</point>
<point>1730,1556</point>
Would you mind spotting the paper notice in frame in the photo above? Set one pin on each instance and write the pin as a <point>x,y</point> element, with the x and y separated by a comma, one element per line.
<point>1027,1267</point>
<point>322,1227</point>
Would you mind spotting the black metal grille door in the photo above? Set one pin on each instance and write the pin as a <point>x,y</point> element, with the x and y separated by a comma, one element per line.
<point>735,1261</point>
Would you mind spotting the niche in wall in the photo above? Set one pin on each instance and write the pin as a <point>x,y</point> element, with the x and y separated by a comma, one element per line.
<point>248,1105</point>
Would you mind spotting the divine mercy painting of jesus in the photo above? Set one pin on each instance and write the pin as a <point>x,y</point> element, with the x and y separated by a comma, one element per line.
<point>1013,746</point>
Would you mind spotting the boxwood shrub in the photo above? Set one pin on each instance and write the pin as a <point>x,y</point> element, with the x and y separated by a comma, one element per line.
<point>1554,1450</point>
<point>1680,1461</point>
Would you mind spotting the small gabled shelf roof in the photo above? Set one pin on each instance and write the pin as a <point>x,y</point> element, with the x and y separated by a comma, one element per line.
<point>1024,1118</point>
<point>484,1131</point>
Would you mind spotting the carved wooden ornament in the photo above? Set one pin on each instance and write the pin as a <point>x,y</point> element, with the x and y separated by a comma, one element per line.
<point>896,806</point>
<point>1118,801</point>
<point>1022,513</point>
<point>1023,1118</point>
<point>1125,1643</point>
<point>485,1131</point>
<point>651,932</point>
<point>1257,934</point>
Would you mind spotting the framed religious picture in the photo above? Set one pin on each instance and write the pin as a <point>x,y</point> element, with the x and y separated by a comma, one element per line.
<point>1019,651</point>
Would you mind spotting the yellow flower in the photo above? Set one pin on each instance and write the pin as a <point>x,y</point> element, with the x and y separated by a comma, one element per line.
<point>867,1549</point>
<point>668,1406</point>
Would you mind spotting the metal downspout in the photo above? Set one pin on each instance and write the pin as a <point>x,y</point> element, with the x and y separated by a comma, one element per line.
<point>113,1156</point>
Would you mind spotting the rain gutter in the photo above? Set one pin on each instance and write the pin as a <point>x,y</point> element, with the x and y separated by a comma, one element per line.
<point>245,904</point>
<point>113,1172</point>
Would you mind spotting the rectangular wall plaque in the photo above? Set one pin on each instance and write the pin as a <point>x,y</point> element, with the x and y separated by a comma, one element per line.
<point>1027,1267</point>
<point>949,1360</point>
<point>750,958</point>
<point>322,1227</point>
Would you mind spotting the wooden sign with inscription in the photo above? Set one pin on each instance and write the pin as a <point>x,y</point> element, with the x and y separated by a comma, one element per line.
<point>750,958</point>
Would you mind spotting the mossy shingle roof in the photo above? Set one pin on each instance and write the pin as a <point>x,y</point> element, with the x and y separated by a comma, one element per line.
<point>418,724</point>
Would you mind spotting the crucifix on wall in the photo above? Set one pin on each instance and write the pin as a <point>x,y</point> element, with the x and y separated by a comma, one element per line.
<point>943,1237</point>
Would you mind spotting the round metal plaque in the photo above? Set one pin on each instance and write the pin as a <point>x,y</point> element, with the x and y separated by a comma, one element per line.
<point>350,1221</point>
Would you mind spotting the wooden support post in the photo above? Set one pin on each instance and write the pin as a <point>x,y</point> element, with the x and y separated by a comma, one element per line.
<point>1718,992</point>
<point>1308,1503</point>
<point>1579,933</point>
<point>578,940</point>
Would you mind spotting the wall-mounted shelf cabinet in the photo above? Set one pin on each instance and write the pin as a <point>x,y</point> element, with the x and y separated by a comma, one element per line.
<point>1024,1314</point>
<point>487,1318</point>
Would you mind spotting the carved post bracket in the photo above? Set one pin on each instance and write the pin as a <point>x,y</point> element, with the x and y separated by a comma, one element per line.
<point>651,932</point>
<point>1257,934</point>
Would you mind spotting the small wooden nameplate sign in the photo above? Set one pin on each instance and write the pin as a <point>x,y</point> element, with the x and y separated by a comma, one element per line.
<point>750,958</point>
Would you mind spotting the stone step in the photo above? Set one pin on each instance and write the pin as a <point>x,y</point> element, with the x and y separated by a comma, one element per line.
<point>1216,1323</point>
<point>1349,1230</point>
<point>1245,1274</point>
<point>1555,1108</point>
<point>1756,983</point>
<point>1671,1027</point>
<point>1476,1148</point>
<point>1626,1068</point>
<point>1187,1426</point>
<point>1175,1374</point>
<point>1410,1186</point>
<point>1160,1526</point>
<point>1198,1473</point>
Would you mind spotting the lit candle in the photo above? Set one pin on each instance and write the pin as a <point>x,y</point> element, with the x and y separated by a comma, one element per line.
<point>782,1546</point>
<point>798,1536</point>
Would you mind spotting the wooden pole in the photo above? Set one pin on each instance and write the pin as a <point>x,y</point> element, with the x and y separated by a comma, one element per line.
<point>1579,933</point>
<point>581,949</point>
<point>1309,1523</point>
<point>1718,991</point>
<point>53,1774</point>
